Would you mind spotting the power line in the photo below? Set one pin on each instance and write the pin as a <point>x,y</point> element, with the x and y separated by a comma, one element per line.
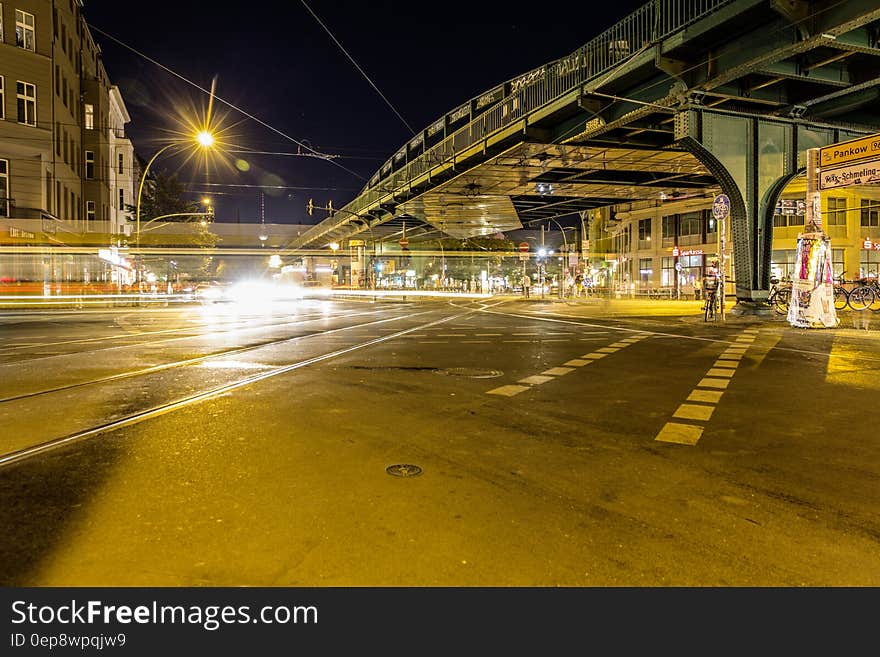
<point>222,100</point>
<point>336,41</point>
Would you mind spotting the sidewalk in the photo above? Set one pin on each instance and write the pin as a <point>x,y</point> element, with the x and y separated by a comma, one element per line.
<point>687,310</point>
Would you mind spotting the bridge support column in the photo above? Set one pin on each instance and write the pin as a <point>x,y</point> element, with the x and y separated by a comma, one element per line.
<point>753,160</point>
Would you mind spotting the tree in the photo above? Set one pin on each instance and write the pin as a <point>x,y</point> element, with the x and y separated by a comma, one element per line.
<point>163,194</point>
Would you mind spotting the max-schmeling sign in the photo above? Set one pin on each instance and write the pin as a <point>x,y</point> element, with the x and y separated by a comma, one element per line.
<point>854,162</point>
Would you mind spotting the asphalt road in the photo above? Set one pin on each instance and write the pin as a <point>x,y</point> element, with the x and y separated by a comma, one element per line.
<point>560,444</point>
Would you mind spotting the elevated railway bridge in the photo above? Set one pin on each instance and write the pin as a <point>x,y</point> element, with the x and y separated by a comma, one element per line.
<point>680,97</point>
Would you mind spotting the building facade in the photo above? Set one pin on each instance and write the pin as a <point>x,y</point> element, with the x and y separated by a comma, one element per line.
<point>64,156</point>
<point>665,247</point>
<point>65,163</point>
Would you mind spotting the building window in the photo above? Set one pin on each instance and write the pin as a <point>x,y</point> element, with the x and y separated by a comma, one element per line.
<point>870,211</point>
<point>690,223</point>
<point>779,220</point>
<point>90,165</point>
<point>90,211</point>
<point>89,121</point>
<point>645,269</point>
<point>782,263</point>
<point>836,212</point>
<point>869,263</point>
<point>4,188</point>
<point>27,102</point>
<point>120,163</point>
<point>837,261</point>
<point>24,30</point>
<point>122,199</point>
<point>711,224</point>
<point>2,92</point>
<point>57,80</point>
<point>1,22</point>
<point>667,273</point>
<point>644,232</point>
<point>668,227</point>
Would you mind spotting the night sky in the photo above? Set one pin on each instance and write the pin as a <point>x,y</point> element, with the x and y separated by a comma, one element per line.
<point>275,62</point>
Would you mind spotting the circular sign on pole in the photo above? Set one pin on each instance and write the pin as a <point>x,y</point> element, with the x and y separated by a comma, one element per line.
<point>523,247</point>
<point>678,266</point>
<point>721,207</point>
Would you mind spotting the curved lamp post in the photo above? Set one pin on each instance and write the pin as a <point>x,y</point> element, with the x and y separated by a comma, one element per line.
<point>204,139</point>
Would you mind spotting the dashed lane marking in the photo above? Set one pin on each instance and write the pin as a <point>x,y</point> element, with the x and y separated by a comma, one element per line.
<point>707,393</point>
<point>536,379</point>
<point>508,391</point>
<point>710,396</point>
<point>683,434</point>
<point>557,371</point>
<point>553,372</point>
<point>714,383</point>
<point>694,412</point>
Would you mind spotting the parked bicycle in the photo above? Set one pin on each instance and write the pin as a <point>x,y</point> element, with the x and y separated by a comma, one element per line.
<point>862,296</point>
<point>841,294</point>
<point>780,295</point>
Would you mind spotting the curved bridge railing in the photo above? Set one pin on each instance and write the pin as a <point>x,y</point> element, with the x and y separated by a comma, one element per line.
<point>497,108</point>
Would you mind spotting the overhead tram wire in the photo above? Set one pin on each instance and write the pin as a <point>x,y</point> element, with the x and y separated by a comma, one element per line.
<point>372,84</point>
<point>222,100</point>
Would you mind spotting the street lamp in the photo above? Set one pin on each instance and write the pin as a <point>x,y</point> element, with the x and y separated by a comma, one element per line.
<point>204,139</point>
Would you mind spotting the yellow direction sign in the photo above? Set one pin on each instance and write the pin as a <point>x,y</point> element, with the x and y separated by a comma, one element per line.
<point>850,151</point>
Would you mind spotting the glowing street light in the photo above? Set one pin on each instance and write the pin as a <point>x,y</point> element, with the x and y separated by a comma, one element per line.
<point>204,139</point>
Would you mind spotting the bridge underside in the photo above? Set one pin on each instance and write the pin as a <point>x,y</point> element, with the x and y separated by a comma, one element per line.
<point>530,182</point>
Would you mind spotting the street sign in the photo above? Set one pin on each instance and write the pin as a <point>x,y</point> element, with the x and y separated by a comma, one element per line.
<point>721,207</point>
<point>863,173</point>
<point>850,151</point>
<point>523,247</point>
<point>355,242</point>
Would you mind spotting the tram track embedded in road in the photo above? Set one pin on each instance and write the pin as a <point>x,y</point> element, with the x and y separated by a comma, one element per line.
<point>44,447</point>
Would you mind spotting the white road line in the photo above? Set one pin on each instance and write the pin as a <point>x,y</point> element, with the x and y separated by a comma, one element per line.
<point>576,363</point>
<point>710,396</point>
<point>558,371</point>
<point>694,412</point>
<point>536,379</point>
<point>682,434</point>
<point>508,391</point>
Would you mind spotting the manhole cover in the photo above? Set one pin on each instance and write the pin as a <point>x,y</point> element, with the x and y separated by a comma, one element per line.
<point>404,470</point>
<point>471,373</point>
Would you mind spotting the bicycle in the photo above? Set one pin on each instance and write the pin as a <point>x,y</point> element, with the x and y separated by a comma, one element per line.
<point>841,294</point>
<point>862,295</point>
<point>780,295</point>
<point>710,308</point>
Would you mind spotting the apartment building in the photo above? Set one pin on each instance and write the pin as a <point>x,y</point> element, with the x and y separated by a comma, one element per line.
<point>65,163</point>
